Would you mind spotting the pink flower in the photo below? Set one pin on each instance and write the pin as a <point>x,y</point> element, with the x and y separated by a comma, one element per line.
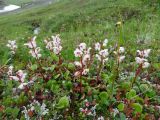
<point>76,74</point>
<point>100,118</point>
<point>78,53</point>
<point>105,42</point>
<point>104,53</point>
<point>20,76</point>
<point>12,45</point>
<point>32,43</point>
<point>121,58</point>
<point>10,70</point>
<point>87,104</point>
<point>85,71</point>
<point>57,50</point>
<point>144,53</point>
<point>140,60</point>
<point>145,65</point>
<point>54,45</point>
<point>22,85</point>
<point>86,58</point>
<point>78,64</point>
<point>97,46</point>
<point>82,46</point>
<point>121,50</point>
<point>35,52</point>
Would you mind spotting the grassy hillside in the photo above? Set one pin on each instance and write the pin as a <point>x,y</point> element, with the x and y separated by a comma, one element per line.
<point>85,20</point>
<point>17,2</point>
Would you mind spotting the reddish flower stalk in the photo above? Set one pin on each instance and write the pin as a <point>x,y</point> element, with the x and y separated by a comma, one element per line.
<point>138,71</point>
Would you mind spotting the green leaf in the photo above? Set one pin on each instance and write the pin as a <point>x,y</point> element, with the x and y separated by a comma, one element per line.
<point>103,97</point>
<point>137,107</point>
<point>57,76</point>
<point>66,74</point>
<point>131,94</point>
<point>34,67</point>
<point>68,85</point>
<point>55,57</point>
<point>63,103</point>
<point>121,107</point>
<point>12,111</point>
<point>122,116</point>
<point>150,93</point>
<point>55,88</point>
<point>125,85</point>
<point>52,67</point>
<point>71,66</point>
<point>105,77</point>
<point>45,68</point>
<point>144,87</point>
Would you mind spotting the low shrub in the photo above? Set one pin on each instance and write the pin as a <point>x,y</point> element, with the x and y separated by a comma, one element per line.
<point>102,83</point>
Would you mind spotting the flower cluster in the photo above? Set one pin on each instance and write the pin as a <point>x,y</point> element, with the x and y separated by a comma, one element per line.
<point>93,88</point>
<point>54,45</point>
<point>102,54</point>
<point>84,54</point>
<point>12,46</point>
<point>142,58</point>
<point>34,50</point>
<point>20,77</point>
<point>89,108</point>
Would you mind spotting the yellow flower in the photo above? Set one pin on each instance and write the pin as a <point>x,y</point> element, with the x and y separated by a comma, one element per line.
<point>119,23</point>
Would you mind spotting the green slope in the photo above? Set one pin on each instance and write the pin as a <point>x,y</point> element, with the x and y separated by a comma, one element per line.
<point>85,20</point>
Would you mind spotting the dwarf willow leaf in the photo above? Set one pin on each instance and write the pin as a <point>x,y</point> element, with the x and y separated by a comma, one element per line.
<point>121,107</point>
<point>144,87</point>
<point>34,67</point>
<point>131,94</point>
<point>63,103</point>
<point>137,107</point>
<point>103,97</point>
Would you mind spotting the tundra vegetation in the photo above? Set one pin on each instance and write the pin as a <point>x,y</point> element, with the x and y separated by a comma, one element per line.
<point>89,60</point>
